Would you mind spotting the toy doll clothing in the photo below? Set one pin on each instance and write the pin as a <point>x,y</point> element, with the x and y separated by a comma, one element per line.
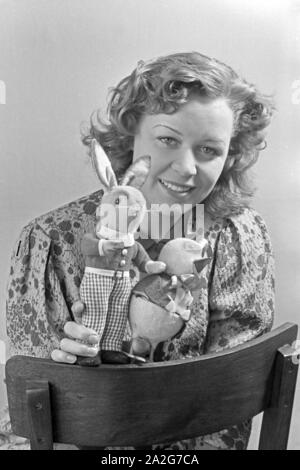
<point>109,234</point>
<point>106,299</point>
<point>106,288</point>
<point>121,259</point>
<point>235,302</point>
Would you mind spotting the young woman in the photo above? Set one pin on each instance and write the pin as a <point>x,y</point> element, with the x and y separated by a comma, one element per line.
<point>203,127</point>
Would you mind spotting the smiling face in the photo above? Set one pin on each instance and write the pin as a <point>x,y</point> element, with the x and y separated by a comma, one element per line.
<point>188,150</point>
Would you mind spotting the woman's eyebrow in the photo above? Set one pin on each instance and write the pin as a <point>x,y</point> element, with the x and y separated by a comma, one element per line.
<point>168,127</point>
<point>204,139</point>
<point>214,139</point>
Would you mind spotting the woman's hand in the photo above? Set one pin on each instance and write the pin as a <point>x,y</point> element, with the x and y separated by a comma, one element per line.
<point>70,348</point>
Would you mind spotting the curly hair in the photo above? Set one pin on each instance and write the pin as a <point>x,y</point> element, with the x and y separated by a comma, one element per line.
<point>162,85</point>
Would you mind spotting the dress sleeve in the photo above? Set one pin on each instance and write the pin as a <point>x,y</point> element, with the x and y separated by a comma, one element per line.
<point>36,310</point>
<point>44,280</point>
<point>241,297</point>
<point>36,307</point>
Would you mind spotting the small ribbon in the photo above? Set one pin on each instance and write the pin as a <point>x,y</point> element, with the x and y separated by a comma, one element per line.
<point>181,303</point>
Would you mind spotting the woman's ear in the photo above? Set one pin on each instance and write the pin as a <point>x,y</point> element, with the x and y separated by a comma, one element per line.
<point>102,166</point>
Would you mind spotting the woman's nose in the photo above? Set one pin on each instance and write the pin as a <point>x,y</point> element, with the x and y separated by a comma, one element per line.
<point>184,164</point>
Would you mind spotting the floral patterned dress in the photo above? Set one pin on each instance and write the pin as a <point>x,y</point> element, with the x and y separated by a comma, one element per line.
<point>235,302</point>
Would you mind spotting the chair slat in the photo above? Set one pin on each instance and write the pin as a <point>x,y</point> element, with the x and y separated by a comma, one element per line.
<point>277,418</point>
<point>140,405</point>
<point>39,415</point>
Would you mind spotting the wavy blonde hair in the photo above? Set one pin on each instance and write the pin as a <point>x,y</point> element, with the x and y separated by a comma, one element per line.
<point>162,85</point>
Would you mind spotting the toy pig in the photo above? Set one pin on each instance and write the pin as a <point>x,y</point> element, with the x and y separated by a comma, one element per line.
<point>160,303</point>
<point>106,287</point>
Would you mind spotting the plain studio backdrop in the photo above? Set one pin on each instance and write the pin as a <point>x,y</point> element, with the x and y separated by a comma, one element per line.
<point>59,57</point>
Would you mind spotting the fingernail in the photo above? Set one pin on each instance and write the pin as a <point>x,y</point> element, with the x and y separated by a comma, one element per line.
<point>92,351</point>
<point>93,339</point>
<point>70,358</point>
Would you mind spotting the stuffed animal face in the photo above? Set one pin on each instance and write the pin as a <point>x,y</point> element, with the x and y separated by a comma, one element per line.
<point>121,210</point>
<point>182,255</point>
<point>123,206</point>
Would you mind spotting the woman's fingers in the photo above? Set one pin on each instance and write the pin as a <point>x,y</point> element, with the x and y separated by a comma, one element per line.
<point>77,331</point>
<point>77,310</point>
<point>61,356</point>
<point>70,349</point>
<point>71,346</point>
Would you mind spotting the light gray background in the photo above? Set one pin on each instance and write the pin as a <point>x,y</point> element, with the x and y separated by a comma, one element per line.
<point>58,58</point>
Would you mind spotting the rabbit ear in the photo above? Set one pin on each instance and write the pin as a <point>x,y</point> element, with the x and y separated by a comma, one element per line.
<point>103,166</point>
<point>137,173</point>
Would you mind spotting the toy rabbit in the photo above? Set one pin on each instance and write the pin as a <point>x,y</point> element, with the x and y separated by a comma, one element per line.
<point>160,303</point>
<point>105,288</point>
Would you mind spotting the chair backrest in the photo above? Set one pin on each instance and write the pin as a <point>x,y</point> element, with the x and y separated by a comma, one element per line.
<point>139,405</point>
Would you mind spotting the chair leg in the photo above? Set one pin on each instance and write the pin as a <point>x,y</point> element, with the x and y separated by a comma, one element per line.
<point>39,415</point>
<point>277,418</point>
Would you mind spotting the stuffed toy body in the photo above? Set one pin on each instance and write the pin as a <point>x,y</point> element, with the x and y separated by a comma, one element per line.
<point>160,305</point>
<point>105,288</point>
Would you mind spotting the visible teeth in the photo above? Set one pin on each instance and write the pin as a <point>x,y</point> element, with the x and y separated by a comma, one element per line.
<point>175,187</point>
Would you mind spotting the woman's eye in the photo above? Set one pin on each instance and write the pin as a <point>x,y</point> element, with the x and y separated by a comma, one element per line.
<point>168,141</point>
<point>117,201</point>
<point>208,150</point>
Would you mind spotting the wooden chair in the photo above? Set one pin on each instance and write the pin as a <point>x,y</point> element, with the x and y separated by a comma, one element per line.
<point>158,402</point>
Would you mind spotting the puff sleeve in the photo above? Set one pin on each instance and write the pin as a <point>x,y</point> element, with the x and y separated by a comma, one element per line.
<point>45,275</point>
<point>44,280</point>
<point>36,306</point>
<point>241,296</point>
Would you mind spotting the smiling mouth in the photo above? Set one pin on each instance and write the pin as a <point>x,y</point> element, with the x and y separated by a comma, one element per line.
<point>177,188</point>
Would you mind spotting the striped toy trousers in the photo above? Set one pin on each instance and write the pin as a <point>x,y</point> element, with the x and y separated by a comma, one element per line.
<point>106,307</point>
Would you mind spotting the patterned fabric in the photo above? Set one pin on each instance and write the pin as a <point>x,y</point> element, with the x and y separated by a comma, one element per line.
<point>107,302</point>
<point>235,302</point>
